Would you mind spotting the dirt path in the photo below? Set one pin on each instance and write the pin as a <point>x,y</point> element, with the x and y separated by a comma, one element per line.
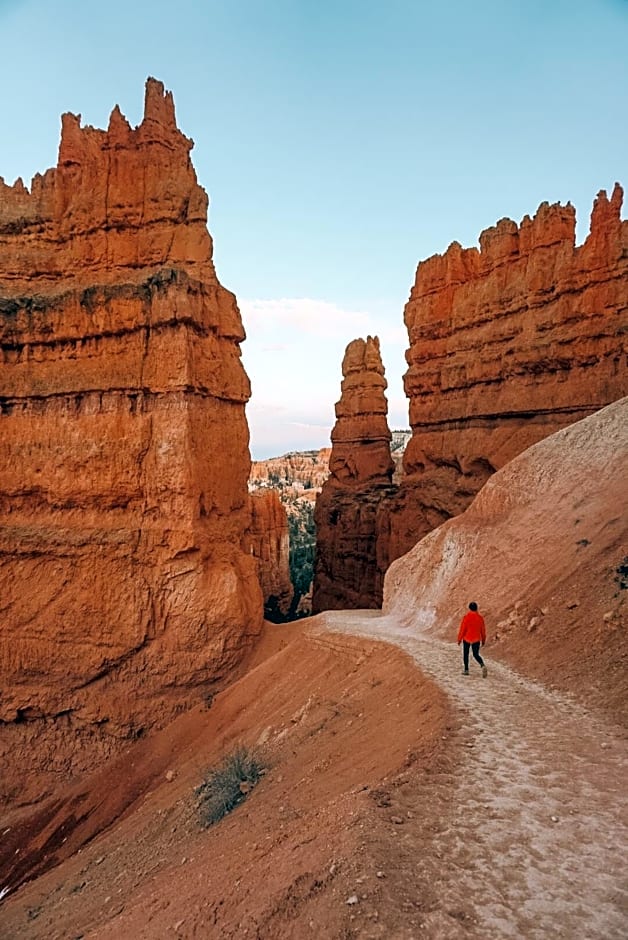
<point>536,834</point>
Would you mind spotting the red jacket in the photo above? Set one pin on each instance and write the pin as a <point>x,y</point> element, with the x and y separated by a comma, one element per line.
<point>472,628</point>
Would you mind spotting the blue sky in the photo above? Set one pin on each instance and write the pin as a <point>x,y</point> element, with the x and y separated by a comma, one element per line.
<point>340,142</point>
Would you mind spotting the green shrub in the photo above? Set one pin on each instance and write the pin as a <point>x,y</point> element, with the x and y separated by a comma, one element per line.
<point>227,785</point>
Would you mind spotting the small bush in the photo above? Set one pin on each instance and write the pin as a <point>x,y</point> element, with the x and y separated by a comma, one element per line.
<point>227,785</point>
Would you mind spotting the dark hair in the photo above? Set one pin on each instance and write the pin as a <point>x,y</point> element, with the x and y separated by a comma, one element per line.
<point>473,606</point>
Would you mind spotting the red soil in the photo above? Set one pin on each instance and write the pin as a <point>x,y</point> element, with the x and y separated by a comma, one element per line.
<point>343,725</point>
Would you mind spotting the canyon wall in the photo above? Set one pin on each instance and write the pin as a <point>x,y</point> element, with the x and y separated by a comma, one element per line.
<point>350,566</point>
<point>508,344</point>
<point>124,591</point>
<point>268,540</point>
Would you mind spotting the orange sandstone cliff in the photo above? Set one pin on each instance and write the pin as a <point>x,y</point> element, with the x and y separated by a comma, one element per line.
<point>124,591</point>
<point>268,540</point>
<point>349,565</point>
<point>508,344</point>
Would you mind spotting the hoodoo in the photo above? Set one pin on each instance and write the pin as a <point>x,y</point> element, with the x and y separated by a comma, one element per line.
<point>508,344</point>
<point>124,589</point>
<point>349,563</point>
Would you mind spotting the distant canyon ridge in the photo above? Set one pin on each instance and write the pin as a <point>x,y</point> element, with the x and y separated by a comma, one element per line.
<point>139,548</point>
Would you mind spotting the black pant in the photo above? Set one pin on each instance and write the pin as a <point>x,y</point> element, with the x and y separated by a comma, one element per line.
<point>475,647</point>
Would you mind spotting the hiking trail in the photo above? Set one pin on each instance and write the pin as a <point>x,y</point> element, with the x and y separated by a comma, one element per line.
<point>528,836</point>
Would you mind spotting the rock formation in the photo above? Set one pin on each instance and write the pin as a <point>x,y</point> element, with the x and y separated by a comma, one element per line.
<point>508,344</point>
<point>349,563</point>
<point>123,587</point>
<point>268,541</point>
<point>297,478</point>
<point>397,449</point>
<point>301,471</point>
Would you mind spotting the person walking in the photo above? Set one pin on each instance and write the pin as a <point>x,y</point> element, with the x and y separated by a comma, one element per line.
<point>472,632</point>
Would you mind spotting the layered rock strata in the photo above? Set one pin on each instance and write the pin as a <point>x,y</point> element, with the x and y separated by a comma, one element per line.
<point>508,344</point>
<point>124,590</point>
<point>298,473</point>
<point>268,540</point>
<point>350,561</point>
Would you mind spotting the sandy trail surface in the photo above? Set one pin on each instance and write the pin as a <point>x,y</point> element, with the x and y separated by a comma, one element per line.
<point>402,801</point>
<point>529,832</point>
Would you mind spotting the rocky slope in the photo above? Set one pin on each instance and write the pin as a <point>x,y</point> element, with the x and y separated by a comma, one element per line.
<point>268,541</point>
<point>542,549</point>
<point>349,564</point>
<point>122,501</point>
<point>136,862</point>
<point>508,344</point>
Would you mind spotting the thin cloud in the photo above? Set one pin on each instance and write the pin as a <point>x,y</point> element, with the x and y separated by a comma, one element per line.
<point>293,356</point>
<point>308,426</point>
<point>318,317</point>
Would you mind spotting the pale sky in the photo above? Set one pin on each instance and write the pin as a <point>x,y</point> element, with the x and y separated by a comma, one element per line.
<point>340,141</point>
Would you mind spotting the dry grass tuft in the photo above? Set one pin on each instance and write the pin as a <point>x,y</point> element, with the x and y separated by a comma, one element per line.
<point>227,785</point>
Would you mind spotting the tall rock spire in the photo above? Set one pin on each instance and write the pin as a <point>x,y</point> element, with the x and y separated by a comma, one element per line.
<point>123,448</point>
<point>349,570</point>
<point>361,437</point>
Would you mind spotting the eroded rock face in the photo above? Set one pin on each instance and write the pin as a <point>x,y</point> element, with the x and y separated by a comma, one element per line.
<point>508,344</point>
<point>123,587</point>
<point>268,541</point>
<point>350,561</point>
